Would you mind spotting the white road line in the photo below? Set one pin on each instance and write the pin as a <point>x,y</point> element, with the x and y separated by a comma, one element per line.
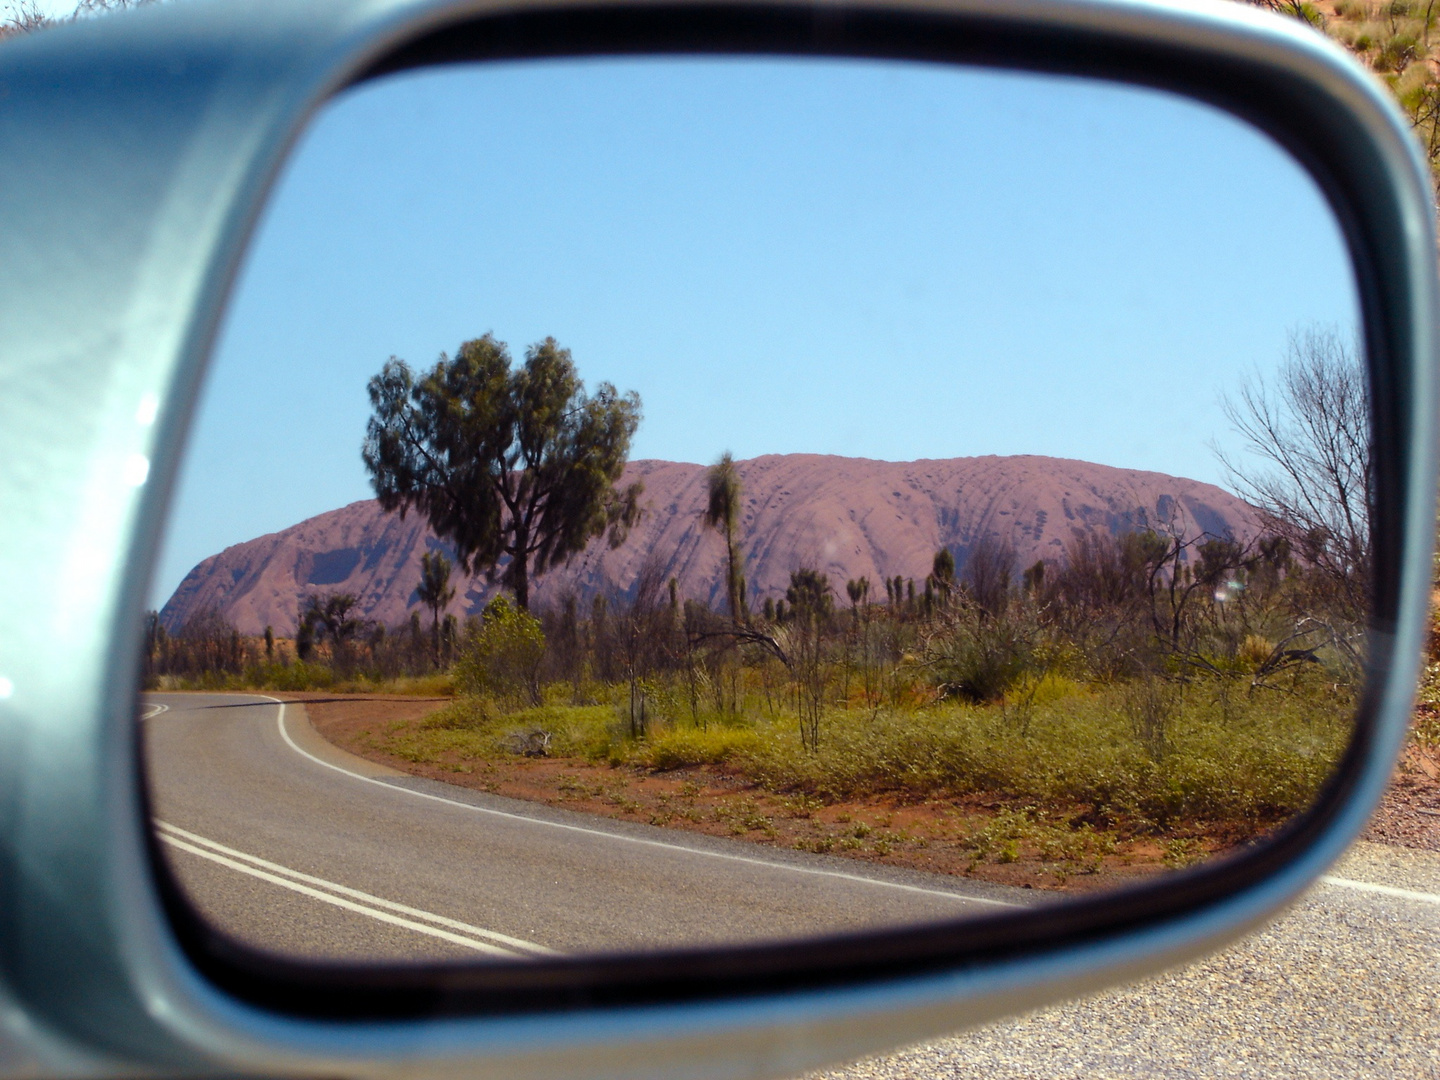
<point>348,905</point>
<point>815,871</point>
<point>316,894</point>
<point>156,709</point>
<point>1383,890</point>
<point>356,894</point>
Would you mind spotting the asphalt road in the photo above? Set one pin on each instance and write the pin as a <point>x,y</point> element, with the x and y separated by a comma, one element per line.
<point>296,847</point>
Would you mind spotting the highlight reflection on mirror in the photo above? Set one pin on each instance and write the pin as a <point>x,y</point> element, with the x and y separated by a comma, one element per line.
<point>847,494</point>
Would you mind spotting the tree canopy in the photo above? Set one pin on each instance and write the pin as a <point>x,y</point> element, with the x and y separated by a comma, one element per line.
<point>333,616</point>
<point>1310,466</point>
<point>516,467</point>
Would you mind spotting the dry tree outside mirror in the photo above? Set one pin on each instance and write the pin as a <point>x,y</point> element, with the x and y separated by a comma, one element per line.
<point>693,501</point>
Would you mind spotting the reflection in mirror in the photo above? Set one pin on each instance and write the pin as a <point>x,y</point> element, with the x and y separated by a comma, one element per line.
<point>683,502</point>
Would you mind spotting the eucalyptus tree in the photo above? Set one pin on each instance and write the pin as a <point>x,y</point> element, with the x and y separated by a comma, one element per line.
<point>942,573</point>
<point>1308,463</point>
<point>517,468</point>
<point>435,592</point>
<point>858,590</point>
<point>333,617</point>
<point>986,579</point>
<point>722,513</point>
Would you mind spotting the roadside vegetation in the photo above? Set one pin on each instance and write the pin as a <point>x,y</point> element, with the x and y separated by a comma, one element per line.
<point>1398,41</point>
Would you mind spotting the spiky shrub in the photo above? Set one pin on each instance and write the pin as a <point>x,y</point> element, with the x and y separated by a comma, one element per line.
<point>976,658</point>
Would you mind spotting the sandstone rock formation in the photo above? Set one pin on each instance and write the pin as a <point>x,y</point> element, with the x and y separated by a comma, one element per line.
<point>848,517</point>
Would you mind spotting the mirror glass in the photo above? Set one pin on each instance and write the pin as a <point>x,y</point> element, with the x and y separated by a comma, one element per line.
<point>647,503</point>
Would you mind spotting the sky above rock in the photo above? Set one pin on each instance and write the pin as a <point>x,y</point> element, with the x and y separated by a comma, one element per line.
<point>868,259</point>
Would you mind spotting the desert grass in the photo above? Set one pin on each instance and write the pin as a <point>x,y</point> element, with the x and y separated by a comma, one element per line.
<point>1145,755</point>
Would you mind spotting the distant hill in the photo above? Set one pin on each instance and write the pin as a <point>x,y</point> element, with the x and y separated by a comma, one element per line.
<point>848,517</point>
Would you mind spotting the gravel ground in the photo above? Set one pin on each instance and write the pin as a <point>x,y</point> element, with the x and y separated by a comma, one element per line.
<point>1344,985</point>
<point>1409,815</point>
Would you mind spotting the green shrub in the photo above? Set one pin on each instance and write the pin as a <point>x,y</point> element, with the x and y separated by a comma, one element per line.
<point>979,658</point>
<point>679,747</point>
<point>298,676</point>
<point>1259,757</point>
<point>501,657</point>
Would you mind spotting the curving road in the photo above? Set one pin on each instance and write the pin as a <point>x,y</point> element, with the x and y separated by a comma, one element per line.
<point>297,847</point>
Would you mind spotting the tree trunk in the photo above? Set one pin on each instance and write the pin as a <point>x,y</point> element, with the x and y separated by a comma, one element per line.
<point>517,574</point>
<point>520,576</point>
<point>732,581</point>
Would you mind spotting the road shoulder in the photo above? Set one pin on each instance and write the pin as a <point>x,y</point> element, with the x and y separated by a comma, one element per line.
<point>303,733</point>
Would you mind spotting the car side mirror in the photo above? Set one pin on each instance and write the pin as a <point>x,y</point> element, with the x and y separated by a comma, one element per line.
<point>137,154</point>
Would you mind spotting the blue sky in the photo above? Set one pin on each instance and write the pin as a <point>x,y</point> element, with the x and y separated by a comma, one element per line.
<point>870,259</point>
